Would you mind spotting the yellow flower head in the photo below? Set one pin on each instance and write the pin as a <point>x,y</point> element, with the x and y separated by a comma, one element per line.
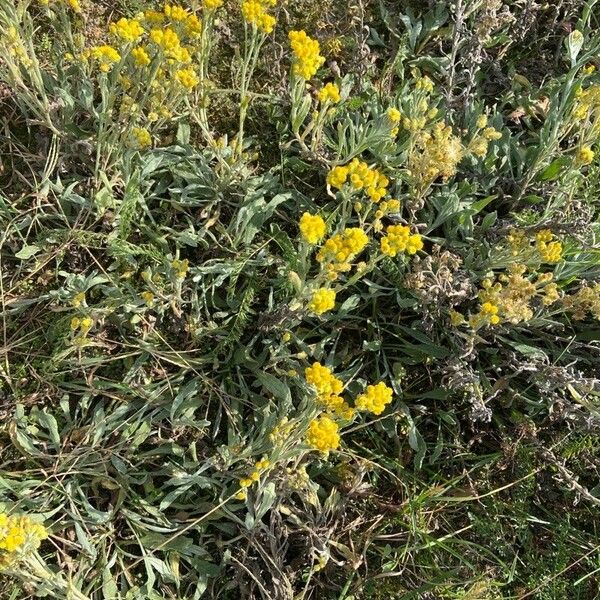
<point>375,399</point>
<point>19,536</point>
<point>106,56</point>
<point>323,380</point>
<point>312,228</point>
<point>343,247</point>
<point>329,92</point>
<point>212,4</point>
<point>254,12</point>
<point>393,114</point>
<point>399,239</point>
<point>140,57</point>
<point>585,156</point>
<point>140,138</point>
<point>187,78</point>
<point>337,177</point>
<point>128,30</point>
<point>322,301</point>
<point>177,13</point>
<point>167,38</point>
<point>323,434</point>
<point>307,59</point>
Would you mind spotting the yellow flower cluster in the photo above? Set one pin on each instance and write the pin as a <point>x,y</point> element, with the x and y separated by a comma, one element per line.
<point>106,56</point>
<point>425,84</point>
<point>480,143</point>
<point>72,4</point>
<point>312,228</point>
<point>140,138</point>
<point>212,4</point>
<point>328,388</point>
<point>19,536</point>
<point>180,267</point>
<point>255,13</point>
<point>587,105</point>
<point>322,301</point>
<point>82,324</point>
<point>375,399</point>
<point>16,48</point>
<point>330,92</point>
<point>435,154</point>
<point>542,247</point>
<point>340,250</point>
<point>549,249</point>
<point>585,155</point>
<point>187,78</point>
<point>177,13</point>
<point>399,239</point>
<point>260,466</point>
<point>361,177</point>
<point>508,297</point>
<point>586,300</point>
<point>323,434</point>
<point>307,59</point>
<point>394,117</point>
<point>324,381</point>
<point>128,30</point>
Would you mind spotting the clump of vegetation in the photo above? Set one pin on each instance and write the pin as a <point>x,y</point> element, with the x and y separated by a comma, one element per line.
<point>299,300</point>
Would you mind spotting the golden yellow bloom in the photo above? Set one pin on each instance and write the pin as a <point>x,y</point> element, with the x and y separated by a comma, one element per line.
<point>323,434</point>
<point>106,56</point>
<point>375,399</point>
<point>177,13</point>
<point>212,4</point>
<point>549,251</point>
<point>330,92</point>
<point>263,464</point>
<point>393,115</point>
<point>337,177</point>
<point>19,536</point>
<point>585,155</point>
<point>307,59</point>
<point>254,12</point>
<point>167,38</point>
<point>193,26</point>
<point>323,380</point>
<point>322,301</point>
<point>140,138</point>
<point>399,239</point>
<point>140,57</point>
<point>312,228</point>
<point>187,78</point>
<point>128,30</point>
<point>343,247</point>
<point>482,121</point>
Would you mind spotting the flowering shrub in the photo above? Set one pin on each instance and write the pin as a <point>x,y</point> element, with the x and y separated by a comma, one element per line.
<point>296,298</point>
